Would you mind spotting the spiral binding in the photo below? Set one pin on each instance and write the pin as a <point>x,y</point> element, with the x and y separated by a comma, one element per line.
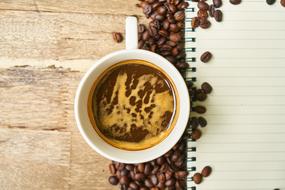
<point>191,60</point>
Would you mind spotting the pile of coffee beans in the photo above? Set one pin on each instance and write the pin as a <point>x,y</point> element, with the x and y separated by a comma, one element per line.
<point>165,172</point>
<point>164,35</point>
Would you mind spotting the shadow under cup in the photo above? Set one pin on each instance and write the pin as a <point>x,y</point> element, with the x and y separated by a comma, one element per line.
<point>133,105</point>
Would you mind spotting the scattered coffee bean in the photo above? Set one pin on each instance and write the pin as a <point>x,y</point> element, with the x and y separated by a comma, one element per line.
<point>202,121</point>
<point>117,36</point>
<point>270,2</point>
<point>282,3</point>
<point>206,171</point>
<point>217,3</point>
<point>196,134</point>
<point>195,22</point>
<point>200,95</point>
<point>202,14</point>
<point>218,15</point>
<point>197,178</point>
<point>235,2</point>
<point>207,88</point>
<point>113,180</point>
<point>212,10</point>
<point>203,5</point>
<point>206,57</point>
<point>204,23</point>
<point>199,109</point>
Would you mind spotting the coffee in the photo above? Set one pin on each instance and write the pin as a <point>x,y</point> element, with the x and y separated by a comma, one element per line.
<point>133,105</point>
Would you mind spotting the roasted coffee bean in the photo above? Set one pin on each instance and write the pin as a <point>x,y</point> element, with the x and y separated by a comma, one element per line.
<point>155,24</point>
<point>124,172</point>
<point>161,10</point>
<point>124,180</point>
<point>150,1</point>
<point>170,182</point>
<point>113,180</point>
<point>141,28</point>
<point>175,51</point>
<point>270,2</point>
<point>156,5</point>
<point>211,10</point>
<point>117,36</point>
<point>179,15</point>
<point>159,17</point>
<point>196,134</point>
<point>207,88</point>
<point>141,167</point>
<point>194,123</point>
<point>172,8</point>
<point>112,169</point>
<point>155,169</point>
<point>206,57</point>
<point>178,186</point>
<point>161,185</point>
<point>217,3</point>
<point>165,24</point>
<point>202,13</point>
<point>282,2</point>
<point>161,41</point>
<point>174,28</point>
<point>202,121</point>
<point>134,186</point>
<point>203,5</point>
<point>184,5</point>
<point>153,48</point>
<point>139,176</point>
<point>145,35</point>
<point>121,166</point>
<point>144,188</point>
<point>175,37</point>
<point>181,174</point>
<point>148,183</point>
<point>171,19</point>
<point>163,33</point>
<point>195,22</point>
<point>218,15</point>
<point>140,44</point>
<point>189,84</point>
<point>197,178</point>
<point>168,175</point>
<point>235,2</point>
<point>206,171</point>
<point>147,169</point>
<point>161,178</point>
<point>180,25</point>
<point>154,179</point>
<point>200,95</point>
<point>182,65</point>
<point>204,23</point>
<point>160,160</point>
<point>147,10</point>
<point>199,109</point>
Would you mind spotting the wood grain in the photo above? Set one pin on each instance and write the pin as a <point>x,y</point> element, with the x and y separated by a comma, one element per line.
<point>38,133</point>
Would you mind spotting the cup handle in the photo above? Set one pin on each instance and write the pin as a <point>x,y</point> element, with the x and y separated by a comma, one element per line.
<point>131,32</point>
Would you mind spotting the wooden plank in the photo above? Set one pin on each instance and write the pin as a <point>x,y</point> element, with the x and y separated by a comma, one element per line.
<point>36,98</point>
<point>34,159</point>
<point>125,7</point>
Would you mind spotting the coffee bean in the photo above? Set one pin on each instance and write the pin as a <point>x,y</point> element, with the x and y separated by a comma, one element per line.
<point>121,166</point>
<point>139,176</point>
<point>147,10</point>
<point>202,13</point>
<point>194,122</point>
<point>202,121</point>
<point>141,28</point>
<point>179,15</point>
<point>144,188</point>
<point>117,36</point>
<point>154,179</point>
<point>207,88</point>
<point>196,134</point>
<point>218,15</point>
<point>184,5</point>
<point>282,2</point>
<point>165,24</point>
<point>134,186</point>
<point>148,183</point>
<point>124,180</point>
<point>172,8</point>
<point>161,185</point>
<point>197,178</point>
<point>124,172</point>
<point>211,10</point>
<point>113,180</point>
<point>147,169</point>
<point>141,167</point>
<point>161,41</point>
<point>170,182</point>
<point>153,48</point>
<point>175,37</point>
<point>204,23</point>
<point>200,95</point>
<point>178,186</point>
<point>161,10</point>
<point>161,178</point>
<point>195,22</point>
<point>181,174</point>
<point>150,1</point>
<point>163,33</point>
<point>217,3</point>
<point>159,17</point>
<point>182,65</point>
<point>156,5</point>
<point>174,28</point>
<point>235,2</point>
<point>206,57</point>
<point>175,51</point>
<point>112,169</point>
<point>140,44</point>
<point>160,160</point>
<point>168,175</point>
<point>270,2</point>
<point>203,5</point>
<point>145,35</point>
<point>206,171</point>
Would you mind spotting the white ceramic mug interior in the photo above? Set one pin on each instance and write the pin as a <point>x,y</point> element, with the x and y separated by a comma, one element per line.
<point>80,105</point>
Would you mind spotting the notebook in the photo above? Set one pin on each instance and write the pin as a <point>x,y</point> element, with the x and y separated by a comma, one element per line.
<point>244,141</point>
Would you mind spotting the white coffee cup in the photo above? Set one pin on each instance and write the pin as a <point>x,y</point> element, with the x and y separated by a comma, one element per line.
<point>80,105</point>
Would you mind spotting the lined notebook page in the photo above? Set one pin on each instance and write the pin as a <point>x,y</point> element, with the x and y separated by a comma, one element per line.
<point>244,141</point>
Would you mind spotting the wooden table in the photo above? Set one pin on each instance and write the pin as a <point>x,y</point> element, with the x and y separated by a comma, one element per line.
<point>45,48</point>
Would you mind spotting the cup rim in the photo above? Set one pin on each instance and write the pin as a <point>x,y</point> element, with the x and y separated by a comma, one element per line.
<point>154,151</point>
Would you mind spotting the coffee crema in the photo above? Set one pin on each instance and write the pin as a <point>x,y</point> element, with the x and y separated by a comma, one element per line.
<point>133,105</point>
